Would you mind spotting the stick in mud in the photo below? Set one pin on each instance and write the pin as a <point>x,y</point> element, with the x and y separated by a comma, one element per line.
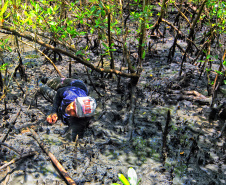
<point>59,167</point>
<point>164,136</point>
<point>13,120</point>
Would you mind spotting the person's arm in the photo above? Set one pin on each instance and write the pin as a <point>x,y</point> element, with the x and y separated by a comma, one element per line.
<point>53,117</point>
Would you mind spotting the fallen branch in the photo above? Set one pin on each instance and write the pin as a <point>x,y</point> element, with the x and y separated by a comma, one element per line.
<point>190,96</point>
<point>174,27</point>
<point>11,125</point>
<point>60,168</point>
<point>17,159</point>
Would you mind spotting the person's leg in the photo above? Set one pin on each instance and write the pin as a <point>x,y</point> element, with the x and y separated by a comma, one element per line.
<point>78,126</point>
<point>47,92</point>
<point>54,83</point>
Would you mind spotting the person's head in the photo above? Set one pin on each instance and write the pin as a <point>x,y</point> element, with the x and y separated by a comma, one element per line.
<point>71,109</point>
<point>81,107</point>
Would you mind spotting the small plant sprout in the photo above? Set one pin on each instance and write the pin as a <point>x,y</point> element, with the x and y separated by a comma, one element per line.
<point>132,178</point>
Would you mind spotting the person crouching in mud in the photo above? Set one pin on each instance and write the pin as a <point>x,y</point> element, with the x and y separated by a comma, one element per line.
<point>70,100</point>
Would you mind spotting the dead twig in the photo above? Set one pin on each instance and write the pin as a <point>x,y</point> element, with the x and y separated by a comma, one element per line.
<point>11,124</point>
<point>13,121</point>
<point>194,147</point>
<point>17,159</point>
<point>60,168</point>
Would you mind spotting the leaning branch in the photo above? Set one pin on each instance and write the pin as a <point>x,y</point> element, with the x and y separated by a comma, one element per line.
<point>61,169</point>
<point>11,125</point>
<point>69,54</point>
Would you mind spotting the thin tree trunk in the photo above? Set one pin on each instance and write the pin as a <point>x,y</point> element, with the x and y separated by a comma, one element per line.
<point>191,35</point>
<point>162,14</point>
<point>112,65</point>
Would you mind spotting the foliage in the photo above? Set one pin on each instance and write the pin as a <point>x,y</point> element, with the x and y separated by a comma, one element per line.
<point>66,23</point>
<point>3,67</point>
<point>106,22</point>
<point>132,178</point>
<point>4,45</point>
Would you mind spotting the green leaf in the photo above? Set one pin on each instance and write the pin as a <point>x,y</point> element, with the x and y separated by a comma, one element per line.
<point>103,13</point>
<point>219,72</point>
<point>224,63</point>
<point>3,67</point>
<point>123,179</point>
<point>78,52</point>
<point>4,8</point>
<point>208,70</point>
<point>37,8</point>
<point>208,56</point>
<point>143,54</point>
<point>33,3</point>
<point>92,30</point>
<point>32,14</point>
<point>93,8</point>
<point>49,10</point>
<point>105,45</point>
<point>53,23</point>
<point>132,176</point>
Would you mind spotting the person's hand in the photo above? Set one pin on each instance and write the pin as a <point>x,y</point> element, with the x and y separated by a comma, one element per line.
<point>52,118</point>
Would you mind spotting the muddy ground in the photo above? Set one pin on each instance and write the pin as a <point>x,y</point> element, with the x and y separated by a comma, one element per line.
<point>193,156</point>
<point>194,153</point>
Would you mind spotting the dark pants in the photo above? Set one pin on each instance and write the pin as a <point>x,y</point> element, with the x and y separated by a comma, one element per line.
<point>48,93</point>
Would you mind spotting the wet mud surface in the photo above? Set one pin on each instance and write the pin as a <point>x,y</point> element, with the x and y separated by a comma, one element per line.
<point>106,149</point>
